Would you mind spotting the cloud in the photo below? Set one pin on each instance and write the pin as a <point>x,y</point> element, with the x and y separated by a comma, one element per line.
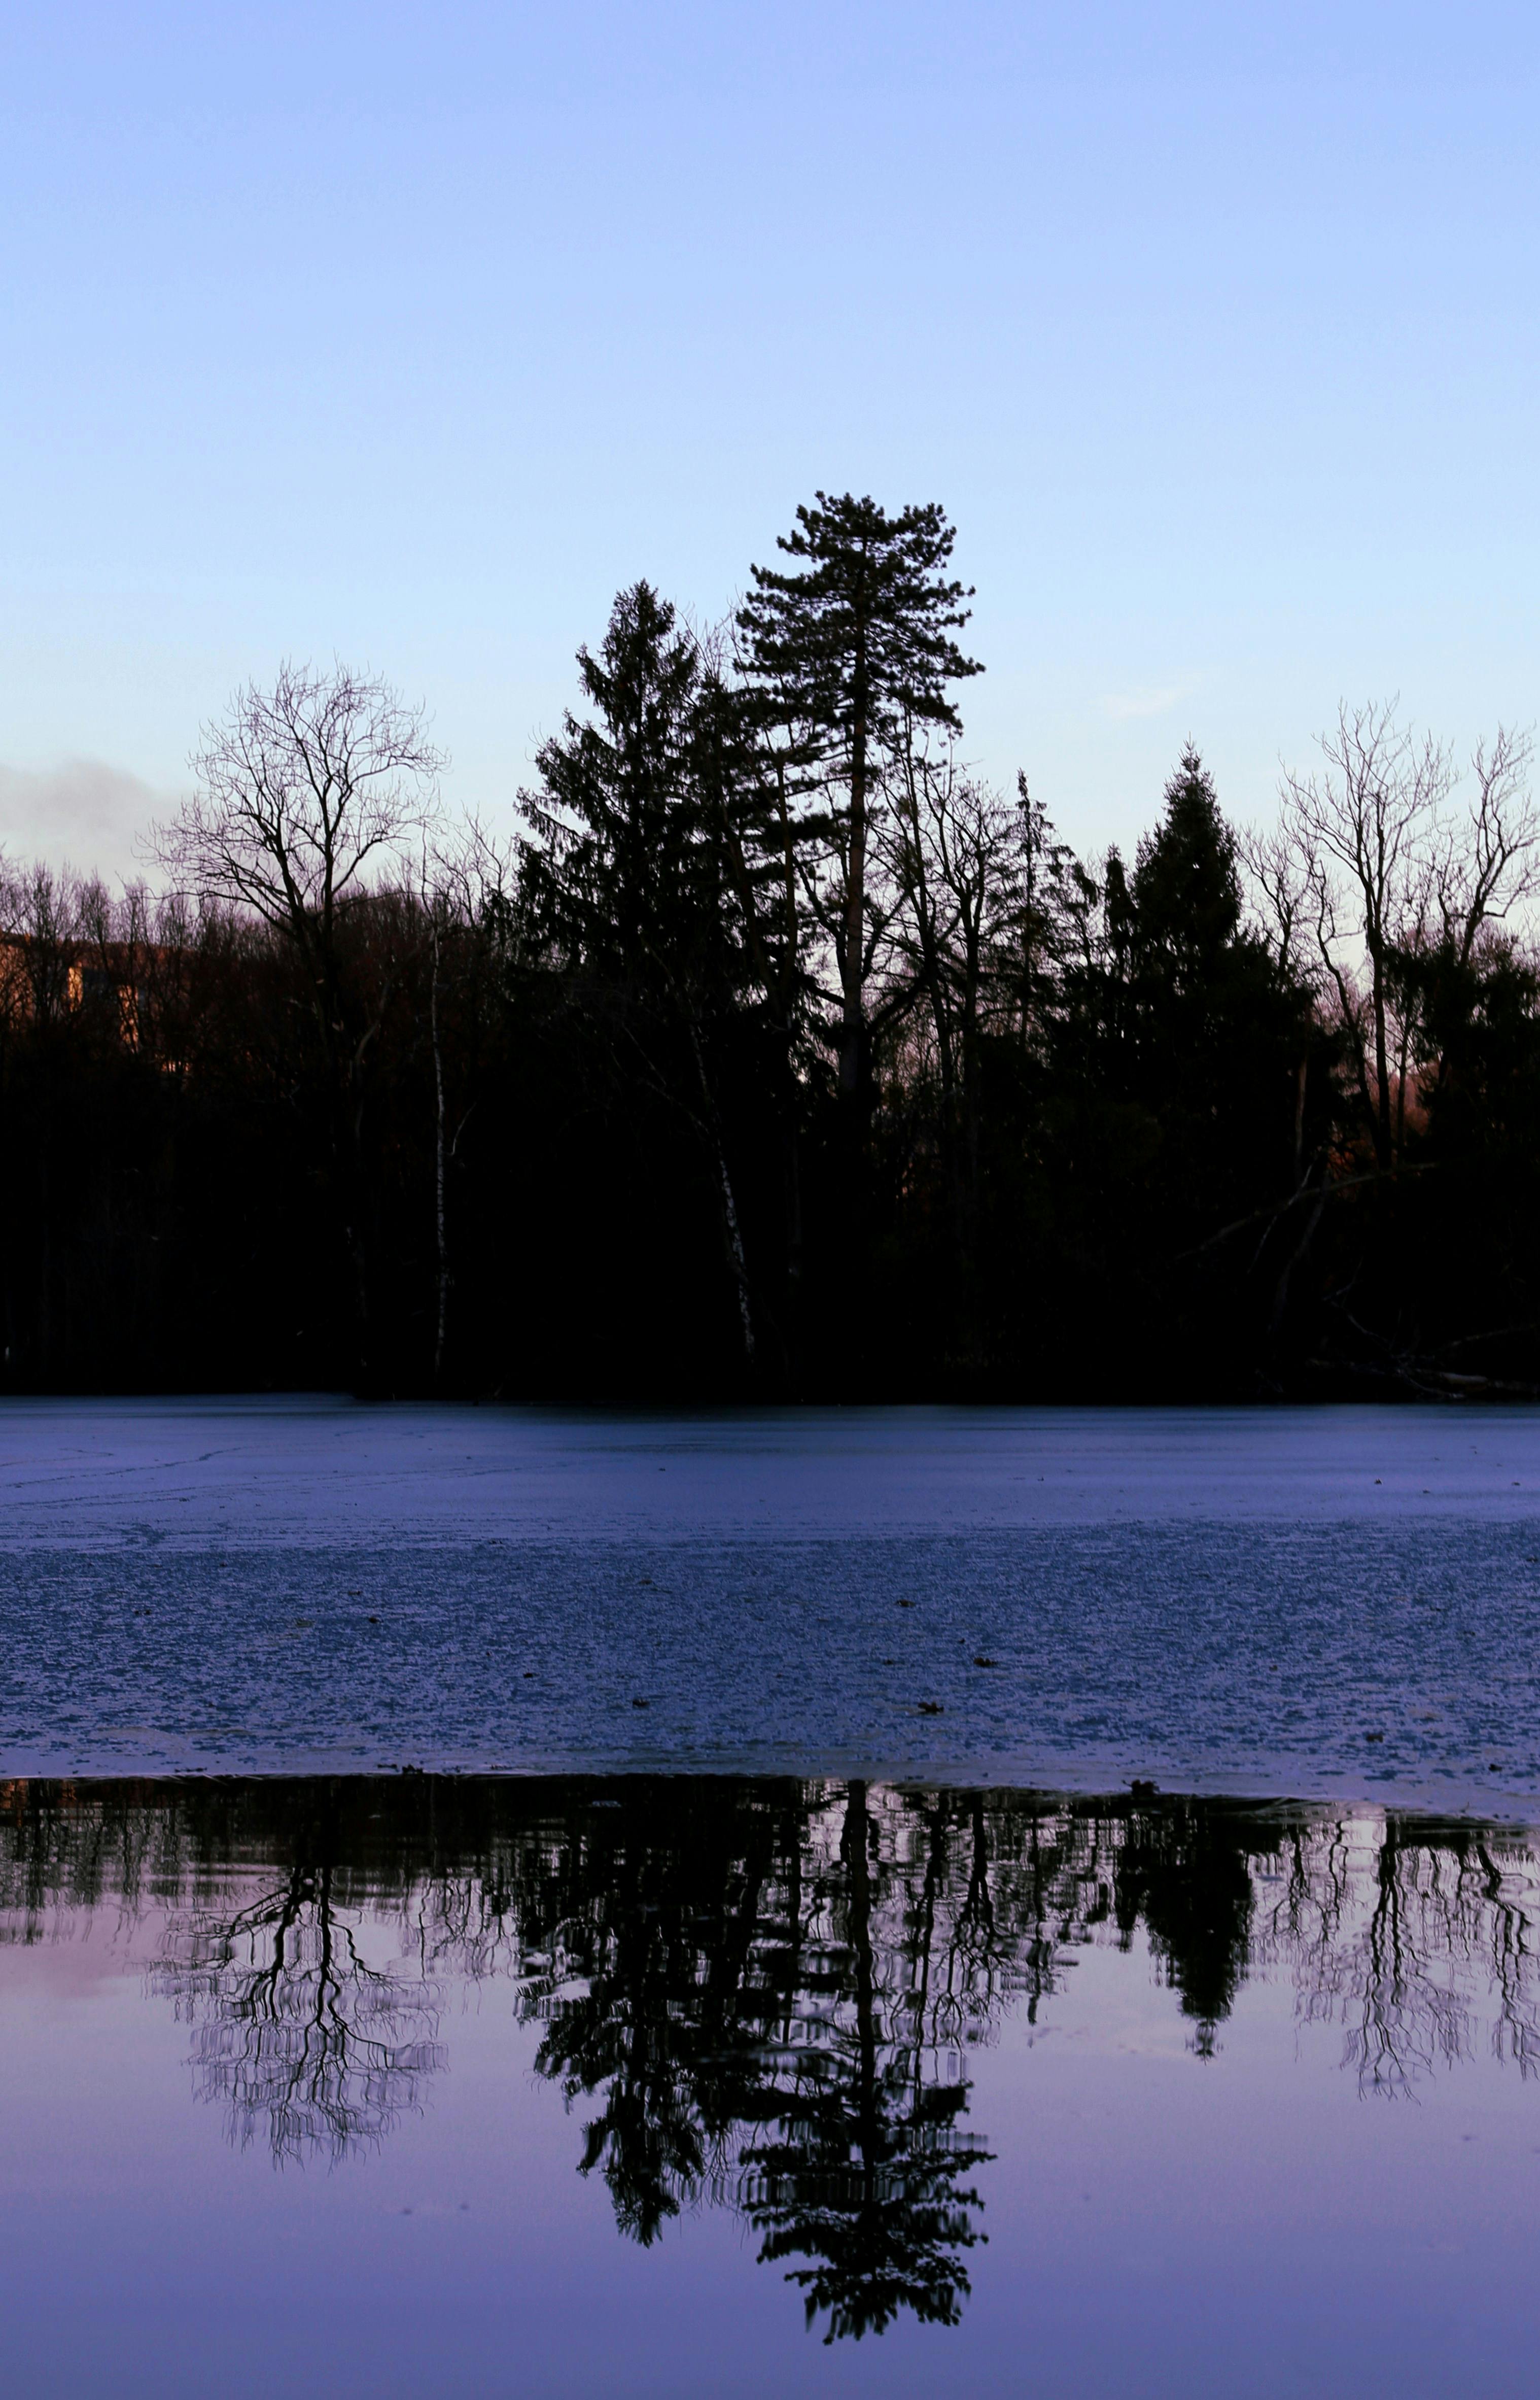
<point>83,813</point>
<point>1150,700</point>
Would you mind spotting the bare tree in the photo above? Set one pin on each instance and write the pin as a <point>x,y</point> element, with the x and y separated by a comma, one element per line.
<point>962,863</point>
<point>1373,867</point>
<point>1487,867</point>
<point>300,2037</point>
<point>305,792</point>
<point>310,797</point>
<point>1364,831</point>
<point>1280,900</point>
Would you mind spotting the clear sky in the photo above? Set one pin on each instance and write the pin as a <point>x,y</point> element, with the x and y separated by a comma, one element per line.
<point>410,333</point>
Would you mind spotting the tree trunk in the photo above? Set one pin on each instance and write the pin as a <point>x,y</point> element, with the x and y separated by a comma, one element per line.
<point>791,1339</point>
<point>735,1255</point>
<point>440,1224</point>
<point>1382,1065</point>
<point>853,1844</point>
<point>852,1025</point>
<point>732,1236</point>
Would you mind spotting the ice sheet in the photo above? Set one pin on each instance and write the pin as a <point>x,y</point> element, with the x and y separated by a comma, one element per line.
<point>300,1470</point>
<point>1332,1602</point>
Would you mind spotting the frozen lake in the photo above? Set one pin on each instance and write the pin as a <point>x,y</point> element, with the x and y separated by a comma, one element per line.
<point>1323,1603</point>
<point>383,2087</point>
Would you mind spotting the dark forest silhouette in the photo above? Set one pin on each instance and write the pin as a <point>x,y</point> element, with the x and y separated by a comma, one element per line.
<point>764,1994</point>
<point>779,1056</point>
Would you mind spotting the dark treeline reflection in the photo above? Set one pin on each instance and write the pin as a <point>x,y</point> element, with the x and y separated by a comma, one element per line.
<point>759,1994</point>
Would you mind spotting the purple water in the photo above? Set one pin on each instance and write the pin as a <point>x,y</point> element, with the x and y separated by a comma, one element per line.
<point>297,2085</point>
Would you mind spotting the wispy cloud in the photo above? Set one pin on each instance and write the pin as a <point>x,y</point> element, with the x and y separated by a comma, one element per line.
<point>84,813</point>
<point>1149,699</point>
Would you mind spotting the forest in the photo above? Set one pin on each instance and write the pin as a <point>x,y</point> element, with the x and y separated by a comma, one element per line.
<point>778,1056</point>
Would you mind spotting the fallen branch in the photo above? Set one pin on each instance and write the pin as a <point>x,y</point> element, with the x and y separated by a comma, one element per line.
<point>1323,1191</point>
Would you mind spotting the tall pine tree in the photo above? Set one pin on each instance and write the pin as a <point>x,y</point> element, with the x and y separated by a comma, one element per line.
<point>847,653</point>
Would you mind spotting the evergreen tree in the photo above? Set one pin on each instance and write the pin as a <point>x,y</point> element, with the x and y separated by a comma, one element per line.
<point>621,877</point>
<point>1217,1024</point>
<point>629,890</point>
<point>1185,887</point>
<point>1175,1087</point>
<point>848,653</point>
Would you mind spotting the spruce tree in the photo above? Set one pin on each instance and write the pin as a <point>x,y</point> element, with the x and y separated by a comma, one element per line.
<point>1218,1026</point>
<point>627,889</point>
<point>621,877</point>
<point>850,652</point>
<point>1187,888</point>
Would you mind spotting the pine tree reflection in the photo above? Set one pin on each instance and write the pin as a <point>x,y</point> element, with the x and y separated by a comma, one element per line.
<point>761,1994</point>
<point>863,2174</point>
<point>1180,1869</point>
<point>640,1931</point>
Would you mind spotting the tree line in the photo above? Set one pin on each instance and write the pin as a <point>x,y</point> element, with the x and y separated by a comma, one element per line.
<point>779,1053</point>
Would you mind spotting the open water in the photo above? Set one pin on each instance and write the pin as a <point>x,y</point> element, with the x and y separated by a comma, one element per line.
<point>1066,1917</point>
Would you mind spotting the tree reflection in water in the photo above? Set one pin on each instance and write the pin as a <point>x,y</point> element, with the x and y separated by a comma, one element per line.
<point>764,1994</point>
<point>297,2033</point>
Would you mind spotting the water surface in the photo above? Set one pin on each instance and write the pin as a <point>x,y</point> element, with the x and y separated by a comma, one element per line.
<point>698,2087</point>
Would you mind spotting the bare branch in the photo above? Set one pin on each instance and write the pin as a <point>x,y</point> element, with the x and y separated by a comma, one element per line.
<point>302,791</point>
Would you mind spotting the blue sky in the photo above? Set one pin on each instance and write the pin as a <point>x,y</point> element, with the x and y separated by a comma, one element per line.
<point>410,333</point>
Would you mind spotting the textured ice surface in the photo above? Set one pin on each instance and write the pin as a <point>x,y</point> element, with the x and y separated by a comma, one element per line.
<point>1316,1603</point>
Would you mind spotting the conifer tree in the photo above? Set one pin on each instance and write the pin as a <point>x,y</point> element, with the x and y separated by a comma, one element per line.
<point>1187,888</point>
<point>621,874</point>
<point>850,652</point>
<point>627,886</point>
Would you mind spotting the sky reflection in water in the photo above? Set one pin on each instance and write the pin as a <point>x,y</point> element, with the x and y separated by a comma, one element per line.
<point>865,2030</point>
